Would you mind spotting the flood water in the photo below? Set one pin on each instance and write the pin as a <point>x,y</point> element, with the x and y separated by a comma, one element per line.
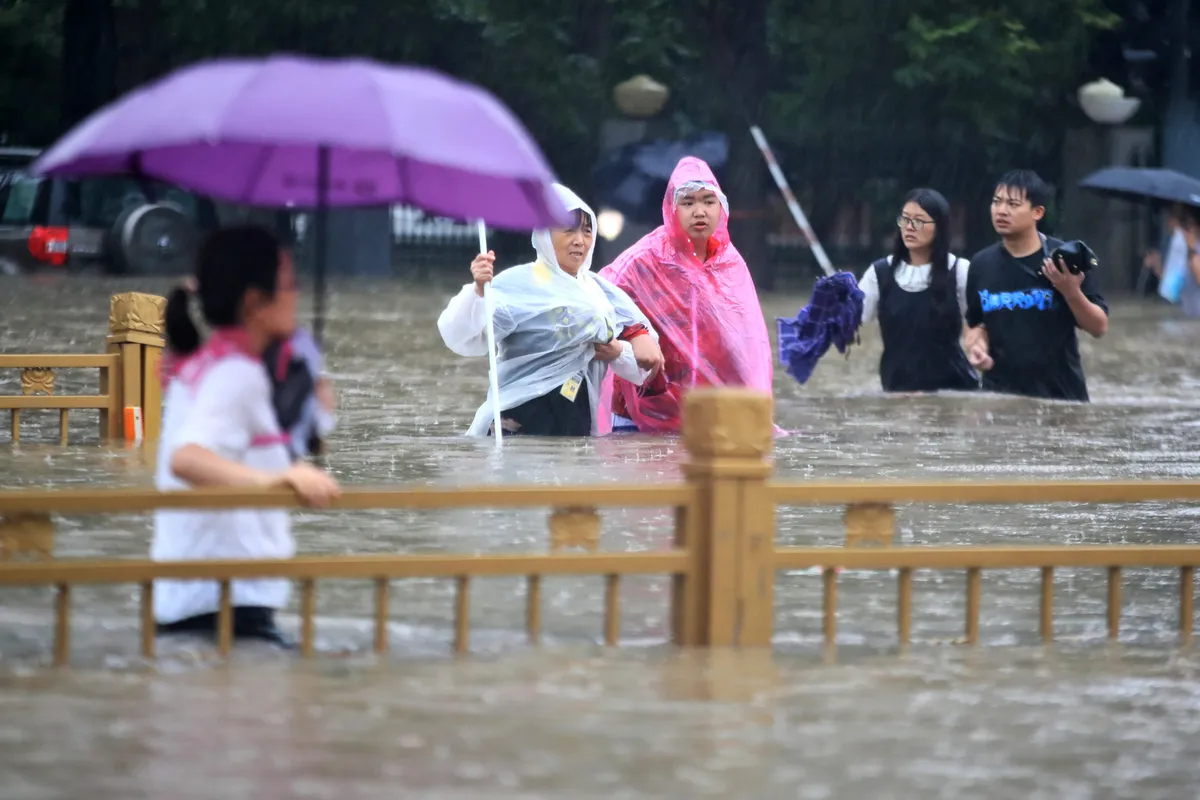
<point>573,719</point>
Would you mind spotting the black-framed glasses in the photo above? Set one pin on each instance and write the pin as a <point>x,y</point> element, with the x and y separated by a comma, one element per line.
<point>903,221</point>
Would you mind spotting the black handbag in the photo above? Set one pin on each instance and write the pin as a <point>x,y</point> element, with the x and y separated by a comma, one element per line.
<point>1076,256</point>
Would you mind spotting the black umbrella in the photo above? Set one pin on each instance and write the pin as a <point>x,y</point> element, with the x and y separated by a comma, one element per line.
<point>632,178</point>
<point>1134,183</point>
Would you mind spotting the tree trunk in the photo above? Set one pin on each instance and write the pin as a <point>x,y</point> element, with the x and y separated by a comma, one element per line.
<point>741,32</point>
<point>152,42</point>
<point>89,57</point>
<point>593,32</point>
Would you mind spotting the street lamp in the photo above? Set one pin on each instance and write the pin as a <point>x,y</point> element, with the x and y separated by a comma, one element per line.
<point>610,223</point>
<point>1105,103</point>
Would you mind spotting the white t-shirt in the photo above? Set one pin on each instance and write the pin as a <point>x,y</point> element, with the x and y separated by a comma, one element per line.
<point>228,411</point>
<point>910,278</point>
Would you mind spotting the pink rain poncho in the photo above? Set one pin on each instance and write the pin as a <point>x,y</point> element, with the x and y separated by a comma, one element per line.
<point>710,325</point>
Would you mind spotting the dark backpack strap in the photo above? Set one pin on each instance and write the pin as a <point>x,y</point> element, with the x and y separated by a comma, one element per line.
<point>884,275</point>
<point>291,383</point>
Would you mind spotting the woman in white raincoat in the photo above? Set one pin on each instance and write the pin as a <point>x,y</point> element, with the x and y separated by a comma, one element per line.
<point>559,328</point>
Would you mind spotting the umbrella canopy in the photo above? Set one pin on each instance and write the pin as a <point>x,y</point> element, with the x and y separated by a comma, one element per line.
<point>1133,183</point>
<point>251,131</point>
<point>287,131</point>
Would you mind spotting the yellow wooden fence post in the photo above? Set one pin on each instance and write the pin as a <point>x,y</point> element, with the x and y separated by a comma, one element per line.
<point>135,331</point>
<point>728,434</point>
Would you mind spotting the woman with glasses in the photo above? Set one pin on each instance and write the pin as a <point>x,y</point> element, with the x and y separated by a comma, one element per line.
<point>919,295</point>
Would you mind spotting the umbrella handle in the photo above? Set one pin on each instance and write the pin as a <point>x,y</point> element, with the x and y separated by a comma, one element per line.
<point>489,308</point>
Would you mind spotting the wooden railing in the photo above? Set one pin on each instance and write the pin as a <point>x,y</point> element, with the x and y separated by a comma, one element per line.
<point>574,523</point>
<point>128,373</point>
<point>723,561</point>
<point>380,570</point>
<point>973,560</point>
<point>38,386</point>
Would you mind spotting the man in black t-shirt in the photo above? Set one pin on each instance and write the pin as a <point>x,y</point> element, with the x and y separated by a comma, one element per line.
<point>1022,309</point>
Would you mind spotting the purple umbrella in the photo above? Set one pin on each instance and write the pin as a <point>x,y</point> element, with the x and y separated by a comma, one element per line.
<point>311,133</point>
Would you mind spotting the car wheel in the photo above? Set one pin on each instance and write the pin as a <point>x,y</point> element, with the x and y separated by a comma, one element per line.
<point>154,239</point>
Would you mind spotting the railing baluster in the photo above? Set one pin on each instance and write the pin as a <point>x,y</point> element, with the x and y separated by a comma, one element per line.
<point>1046,624</point>
<point>974,590</point>
<point>382,598</point>
<point>612,609</point>
<point>308,610</point>
<point>533,608</point>
<point>1114,603</point>
<point>62,625</point>
<point>904,607</point>
<point>15,422</point>
<point>1187,605</point>
<point>462,614</point>
<point>225,619</point>
<point>148,626</point>
<point>63,416</point>
<point>829,583</point>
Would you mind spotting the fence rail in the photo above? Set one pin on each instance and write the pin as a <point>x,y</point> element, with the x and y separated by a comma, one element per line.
<point>979,492</point>
<point>975,559</point>
<point>610,495</point>
<point>723,563</point>
<point>128,373</point>
<point>379,569</point>
<point>38,384</point>
<point>106,501</point>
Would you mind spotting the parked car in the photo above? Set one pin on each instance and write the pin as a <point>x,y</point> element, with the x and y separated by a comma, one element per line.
<point>14,159</point>
<point>118,225</point>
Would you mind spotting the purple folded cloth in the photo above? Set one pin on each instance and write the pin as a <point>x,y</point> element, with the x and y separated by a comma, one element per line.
<point>832,316</point>
<point>304,346</point>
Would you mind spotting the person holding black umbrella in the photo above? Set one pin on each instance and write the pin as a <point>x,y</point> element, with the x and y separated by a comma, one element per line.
<point>1188,282</point>
<point>1168,264</point>
<point>1022,307</point>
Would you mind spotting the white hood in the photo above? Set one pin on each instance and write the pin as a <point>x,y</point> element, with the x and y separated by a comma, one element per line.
<point>541,238</point>
<point>559,318</point>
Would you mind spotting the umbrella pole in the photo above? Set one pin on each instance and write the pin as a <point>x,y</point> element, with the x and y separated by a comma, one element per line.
<point>319,239</point>
<point>493,370</point>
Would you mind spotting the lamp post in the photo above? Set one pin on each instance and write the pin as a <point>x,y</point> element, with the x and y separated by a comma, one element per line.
<point>640,97</point>
<point>1179,124</point>
<point>1114,231</point>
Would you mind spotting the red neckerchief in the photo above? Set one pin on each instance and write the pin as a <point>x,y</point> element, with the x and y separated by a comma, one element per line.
<point>221,343</point>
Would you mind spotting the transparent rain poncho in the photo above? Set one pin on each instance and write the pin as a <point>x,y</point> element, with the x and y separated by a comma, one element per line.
<point>711,326</point>
<point>547,324</point>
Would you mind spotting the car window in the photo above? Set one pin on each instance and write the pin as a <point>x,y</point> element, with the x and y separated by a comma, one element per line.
<point>99,202</point>
<point>22,196</point>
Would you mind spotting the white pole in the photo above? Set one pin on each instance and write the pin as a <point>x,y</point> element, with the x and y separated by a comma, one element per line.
<point>493,370</point>
<point>792,204</point>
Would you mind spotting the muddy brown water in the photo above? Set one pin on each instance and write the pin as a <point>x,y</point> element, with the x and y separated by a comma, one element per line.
<point>573,719</point>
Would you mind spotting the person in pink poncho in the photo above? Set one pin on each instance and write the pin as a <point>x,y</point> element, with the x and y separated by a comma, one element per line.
<point>695,288</point>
